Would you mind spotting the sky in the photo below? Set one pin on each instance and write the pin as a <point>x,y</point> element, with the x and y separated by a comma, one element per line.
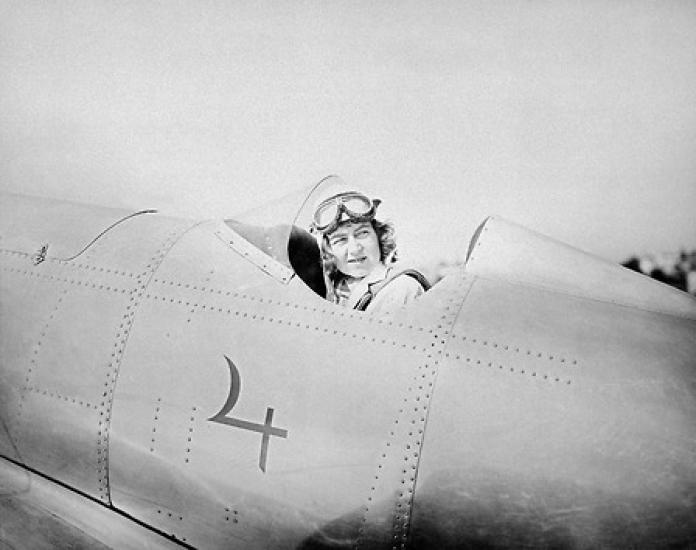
<point>575,119</point>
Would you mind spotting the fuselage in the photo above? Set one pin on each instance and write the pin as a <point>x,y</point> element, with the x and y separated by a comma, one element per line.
<point>172,370</point>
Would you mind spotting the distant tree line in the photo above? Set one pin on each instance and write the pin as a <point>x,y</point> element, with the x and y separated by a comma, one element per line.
<point>677,270</point>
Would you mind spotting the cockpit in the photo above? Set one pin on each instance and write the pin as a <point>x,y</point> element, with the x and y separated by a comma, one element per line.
<point>281,229</point>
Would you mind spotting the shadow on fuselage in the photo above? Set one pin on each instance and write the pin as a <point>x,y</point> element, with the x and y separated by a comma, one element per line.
<point>492,510</point>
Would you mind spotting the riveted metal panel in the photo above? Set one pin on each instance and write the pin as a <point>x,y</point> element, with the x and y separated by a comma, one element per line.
<point>68,371</point>
<point>324,384</point>
<point>253,254</point>
<point>66,362</point>
<point>560,421</point>
<point>58,436</point>
<point>205,263</point>
<point>387,515</point>
<point>28,300</point>
<point>65,326</point>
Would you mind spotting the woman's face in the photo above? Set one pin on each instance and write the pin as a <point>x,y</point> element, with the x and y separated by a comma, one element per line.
<point>356,248</point>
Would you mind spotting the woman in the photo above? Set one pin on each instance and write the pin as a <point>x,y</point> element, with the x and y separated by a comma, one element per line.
<point>358,253</point>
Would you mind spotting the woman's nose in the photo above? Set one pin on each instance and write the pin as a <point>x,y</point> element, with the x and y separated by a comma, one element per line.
<point>354,244</point>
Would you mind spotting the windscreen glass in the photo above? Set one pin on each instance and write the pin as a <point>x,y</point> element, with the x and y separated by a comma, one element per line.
<point>271,226</point>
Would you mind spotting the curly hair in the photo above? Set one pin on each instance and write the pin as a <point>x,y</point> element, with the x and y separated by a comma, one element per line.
<point>387,247</point>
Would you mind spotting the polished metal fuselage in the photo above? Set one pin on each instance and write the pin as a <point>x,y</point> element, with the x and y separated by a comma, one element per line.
<point>173,372</point>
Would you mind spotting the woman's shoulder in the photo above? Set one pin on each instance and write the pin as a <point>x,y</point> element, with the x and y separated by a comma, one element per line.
<point>406,279</point>
<point>399,288</point>
<point>410,274</point>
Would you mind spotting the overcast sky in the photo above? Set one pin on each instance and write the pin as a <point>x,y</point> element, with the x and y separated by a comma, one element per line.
<point>577,119</point>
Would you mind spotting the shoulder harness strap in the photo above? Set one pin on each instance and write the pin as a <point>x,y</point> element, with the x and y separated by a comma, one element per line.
<point>375,288</point>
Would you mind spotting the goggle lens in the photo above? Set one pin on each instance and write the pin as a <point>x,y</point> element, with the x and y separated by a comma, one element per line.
<point>329,212</point>
<point>359,206</point>
<point>325,215</point>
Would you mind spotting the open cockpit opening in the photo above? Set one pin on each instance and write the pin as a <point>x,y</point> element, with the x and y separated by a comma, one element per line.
<point>305,259</point>
<point>287,231</point>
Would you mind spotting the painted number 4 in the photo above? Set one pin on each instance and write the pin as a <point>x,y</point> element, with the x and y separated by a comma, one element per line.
<point>266,429</point>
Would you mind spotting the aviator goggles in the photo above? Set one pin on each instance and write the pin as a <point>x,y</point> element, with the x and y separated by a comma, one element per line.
<point>356,206</point>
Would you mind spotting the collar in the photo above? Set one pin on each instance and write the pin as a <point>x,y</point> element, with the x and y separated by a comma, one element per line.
<point>350,291</point>
<point>378,274</point>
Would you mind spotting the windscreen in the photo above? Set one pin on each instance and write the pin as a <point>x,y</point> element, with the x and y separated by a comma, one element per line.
<point>272,226</point>
<point>281,229</point>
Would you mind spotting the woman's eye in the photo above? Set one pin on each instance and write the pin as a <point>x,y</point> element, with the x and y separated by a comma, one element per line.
<point>362,234</point>
<point>340,240</point>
